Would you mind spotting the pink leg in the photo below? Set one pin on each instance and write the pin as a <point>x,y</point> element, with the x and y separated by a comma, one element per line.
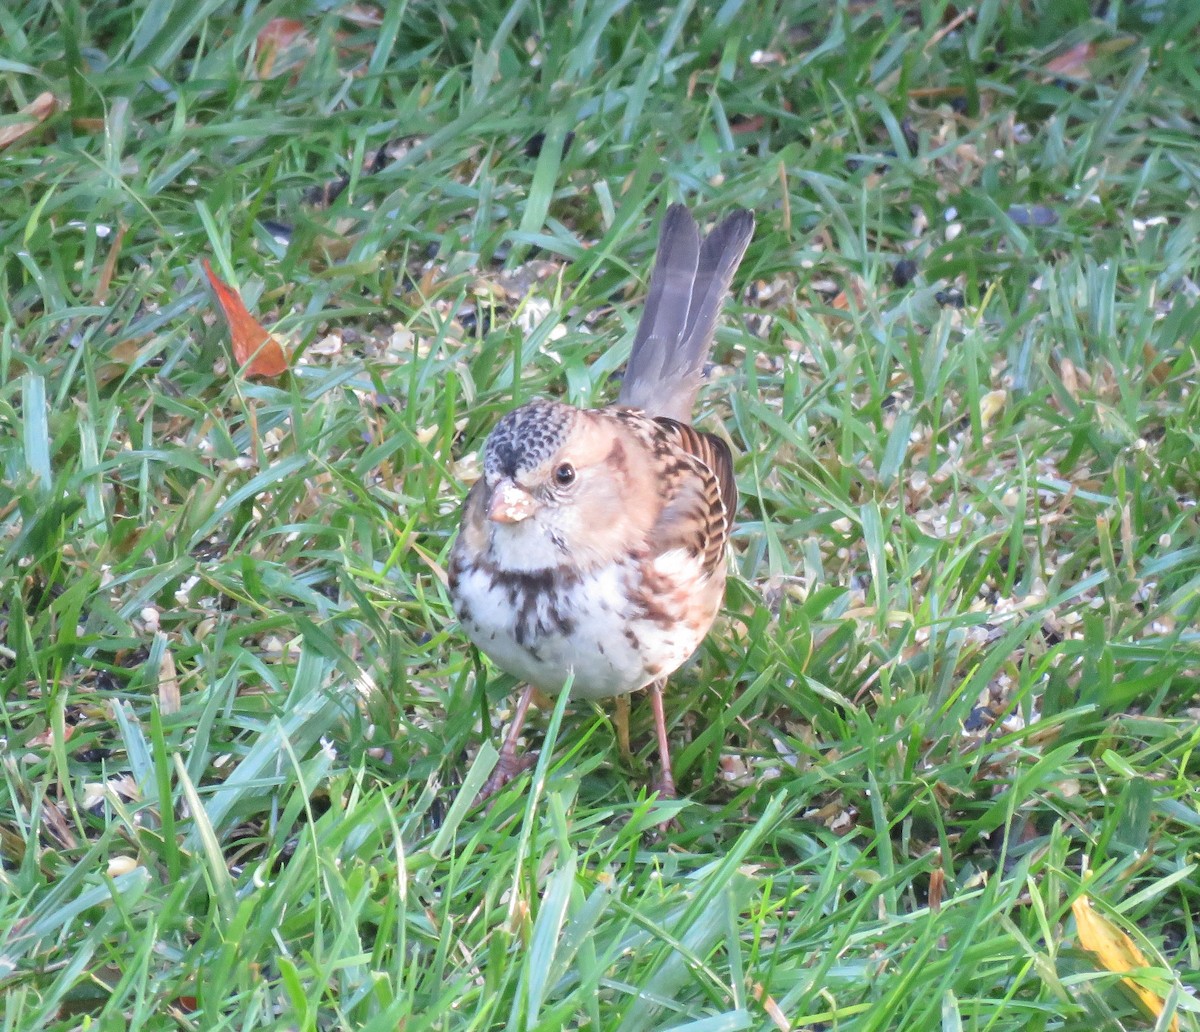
<point>664,784</point>
<point>509,765</point>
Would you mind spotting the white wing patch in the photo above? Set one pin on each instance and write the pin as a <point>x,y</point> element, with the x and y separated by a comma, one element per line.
<point>677,564</point>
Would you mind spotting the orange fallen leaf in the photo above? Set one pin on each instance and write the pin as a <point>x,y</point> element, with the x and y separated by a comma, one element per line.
<point>28,118</point>
<point>256,351</point>
<point>1116,952</point>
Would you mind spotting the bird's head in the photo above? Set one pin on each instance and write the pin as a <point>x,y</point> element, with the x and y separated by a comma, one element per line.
<point>557,482</point>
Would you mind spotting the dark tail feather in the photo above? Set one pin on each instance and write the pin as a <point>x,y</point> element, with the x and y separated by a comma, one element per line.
<point>687,289</point>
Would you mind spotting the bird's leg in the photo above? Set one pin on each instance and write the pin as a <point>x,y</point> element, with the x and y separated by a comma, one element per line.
<point>664,784</point>
<point>621,719</point>
<point>509,764</point>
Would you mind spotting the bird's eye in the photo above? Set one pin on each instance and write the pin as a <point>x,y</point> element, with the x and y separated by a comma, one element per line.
<point>564,474</point>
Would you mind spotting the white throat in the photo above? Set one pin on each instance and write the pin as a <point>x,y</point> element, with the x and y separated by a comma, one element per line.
<point>524,547</point>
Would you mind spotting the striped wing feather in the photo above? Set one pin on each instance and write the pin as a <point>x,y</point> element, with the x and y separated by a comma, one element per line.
<point>701,495</point>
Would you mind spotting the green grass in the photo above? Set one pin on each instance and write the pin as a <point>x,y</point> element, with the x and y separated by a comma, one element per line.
<point>957,684</point>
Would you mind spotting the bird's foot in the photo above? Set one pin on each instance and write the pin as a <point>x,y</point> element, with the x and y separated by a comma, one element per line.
<point>508,766</point>
<point>664,786</point>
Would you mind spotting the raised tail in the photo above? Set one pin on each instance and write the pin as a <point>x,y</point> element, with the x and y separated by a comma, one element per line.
<point>687,289</point>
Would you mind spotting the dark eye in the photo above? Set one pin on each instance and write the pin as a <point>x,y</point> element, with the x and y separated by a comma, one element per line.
<point>564,474</point>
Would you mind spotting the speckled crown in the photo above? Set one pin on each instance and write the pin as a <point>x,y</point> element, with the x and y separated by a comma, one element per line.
<point>526,438</point>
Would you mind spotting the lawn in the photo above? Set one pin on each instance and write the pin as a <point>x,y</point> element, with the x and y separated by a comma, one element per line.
<point>937,758</point>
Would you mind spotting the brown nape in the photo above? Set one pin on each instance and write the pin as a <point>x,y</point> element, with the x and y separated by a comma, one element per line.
<point>616,458</point>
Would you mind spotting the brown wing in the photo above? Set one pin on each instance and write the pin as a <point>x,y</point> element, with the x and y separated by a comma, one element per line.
<point>700,493</point>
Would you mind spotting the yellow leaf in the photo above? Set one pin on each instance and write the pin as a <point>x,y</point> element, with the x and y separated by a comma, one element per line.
<point>990,406</point>
<point>1116,952</point>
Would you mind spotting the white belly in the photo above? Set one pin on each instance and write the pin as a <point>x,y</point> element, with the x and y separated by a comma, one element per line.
<point>588,629</point>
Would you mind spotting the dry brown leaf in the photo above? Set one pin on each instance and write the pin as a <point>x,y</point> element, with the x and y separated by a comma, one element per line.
<point>45,739</point>
<point>57,826</point>
<point>168,683</point>
<point>280,35</point>
<point>1116,952</point>
<point>937,889</point>
<point>119,358</point>
<point>1066,370</point>
<point>366,16</point>
<point>937,92</point>
<point>424,289</point>
<point>125,352</point>
<point>773,1010</point>
<point>256,351</point>
<point>110,267</point>
<point>1160,372</point>
<point>747,124</point>
<point>950,26</point>
<point>28,118</point>
<point>1073,63</point>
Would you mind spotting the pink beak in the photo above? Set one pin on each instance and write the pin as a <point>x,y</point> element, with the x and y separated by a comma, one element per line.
<point>510,503</point>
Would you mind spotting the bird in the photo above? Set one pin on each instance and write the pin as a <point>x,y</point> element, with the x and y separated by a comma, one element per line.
<point>592,550</point>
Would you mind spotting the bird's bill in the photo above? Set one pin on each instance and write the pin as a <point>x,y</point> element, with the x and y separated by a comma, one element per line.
<point>510,503</point>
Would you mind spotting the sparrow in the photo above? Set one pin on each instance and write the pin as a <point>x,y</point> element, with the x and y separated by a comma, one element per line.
<point>592,548</point>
